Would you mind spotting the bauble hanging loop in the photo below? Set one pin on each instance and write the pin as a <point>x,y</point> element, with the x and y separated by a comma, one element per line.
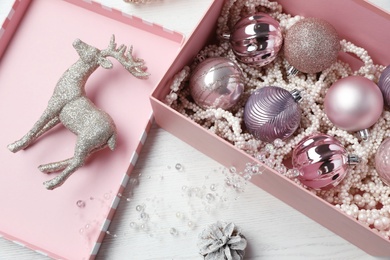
<point>272,113</point>
<point>322,161</point>
<point>256,39</point>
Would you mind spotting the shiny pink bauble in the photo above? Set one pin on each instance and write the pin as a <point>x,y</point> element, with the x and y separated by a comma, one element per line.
<point>256,39</point>
<point>382,161</point>
<point>272,113</point>
<point>384,85</point>
<point>216,83</point>
<point>311,45</point>
<point>321,160</point>
<point>353,103</point>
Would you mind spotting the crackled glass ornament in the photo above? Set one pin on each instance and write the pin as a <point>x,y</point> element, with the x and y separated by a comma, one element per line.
<point>311,45</point>
<point>272,113</point>
<point>216,83</point>
<point>256,39</point>
<point>382,161</point>
<point>322,161</point>
<point>354,104</point>
<point>384,85</point>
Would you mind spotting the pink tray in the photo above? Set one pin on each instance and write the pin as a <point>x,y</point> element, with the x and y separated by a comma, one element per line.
<point>35,49</point>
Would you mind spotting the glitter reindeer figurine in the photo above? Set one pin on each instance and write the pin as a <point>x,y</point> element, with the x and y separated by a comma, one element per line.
<point>94,128</point>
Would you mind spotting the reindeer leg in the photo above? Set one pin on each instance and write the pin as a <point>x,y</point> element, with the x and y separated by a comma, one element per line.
<point>52,123</point>
<point>47,121</point>
<point>85,146</point>
<point>60,165</point>
<point>76,162</point>
<point>55,166</point>
<point>64,175</point>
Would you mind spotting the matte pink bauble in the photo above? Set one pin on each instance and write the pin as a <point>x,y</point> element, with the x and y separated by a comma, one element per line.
<point>216,83</point>
<point>311,45</point>
<point>256,39</point>
<point>322,161</point>
<point>384,85</point>
<point>382,161</point>
<point>353,103</point>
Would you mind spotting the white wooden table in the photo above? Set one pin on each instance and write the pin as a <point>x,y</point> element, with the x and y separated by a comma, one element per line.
<point>273,229</point>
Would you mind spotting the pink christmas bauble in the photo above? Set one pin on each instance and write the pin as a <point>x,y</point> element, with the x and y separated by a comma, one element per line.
<point>321,160</point>
<point>382,161</point>
<point>384,85</point>
<point>216,83</point>
<point>256,39</point>
<point>353,103</point>
<point>311,45</point>
<point>271,113</point>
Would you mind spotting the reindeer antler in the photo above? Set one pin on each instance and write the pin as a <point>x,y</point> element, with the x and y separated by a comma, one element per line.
<point>132,64</point>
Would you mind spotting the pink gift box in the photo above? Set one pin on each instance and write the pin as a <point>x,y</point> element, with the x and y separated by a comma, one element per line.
<point>35,49</point>
<point>357,21</point>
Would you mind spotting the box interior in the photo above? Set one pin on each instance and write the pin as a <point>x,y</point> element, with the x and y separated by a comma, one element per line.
<point>363,24</point>
<point>39,52</point>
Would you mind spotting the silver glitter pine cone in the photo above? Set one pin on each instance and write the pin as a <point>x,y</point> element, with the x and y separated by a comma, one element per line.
<point>221,241</point>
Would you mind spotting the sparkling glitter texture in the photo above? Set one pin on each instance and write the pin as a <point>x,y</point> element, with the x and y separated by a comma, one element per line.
<point>311,45</point>
<point>382,161</point>
<point>70,106</point>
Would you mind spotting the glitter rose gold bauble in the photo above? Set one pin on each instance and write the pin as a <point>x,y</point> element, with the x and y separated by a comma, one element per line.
<point>382,161</point>
<point>311,45</point>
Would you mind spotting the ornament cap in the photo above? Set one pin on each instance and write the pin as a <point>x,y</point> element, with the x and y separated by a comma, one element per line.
<point>225,36</point>
<point>353,159</point>
<point>363,134</point>
<point>296,95</point>
<point>292,71</point>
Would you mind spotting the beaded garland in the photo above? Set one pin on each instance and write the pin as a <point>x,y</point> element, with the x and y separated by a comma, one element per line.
<point>362,194</point>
